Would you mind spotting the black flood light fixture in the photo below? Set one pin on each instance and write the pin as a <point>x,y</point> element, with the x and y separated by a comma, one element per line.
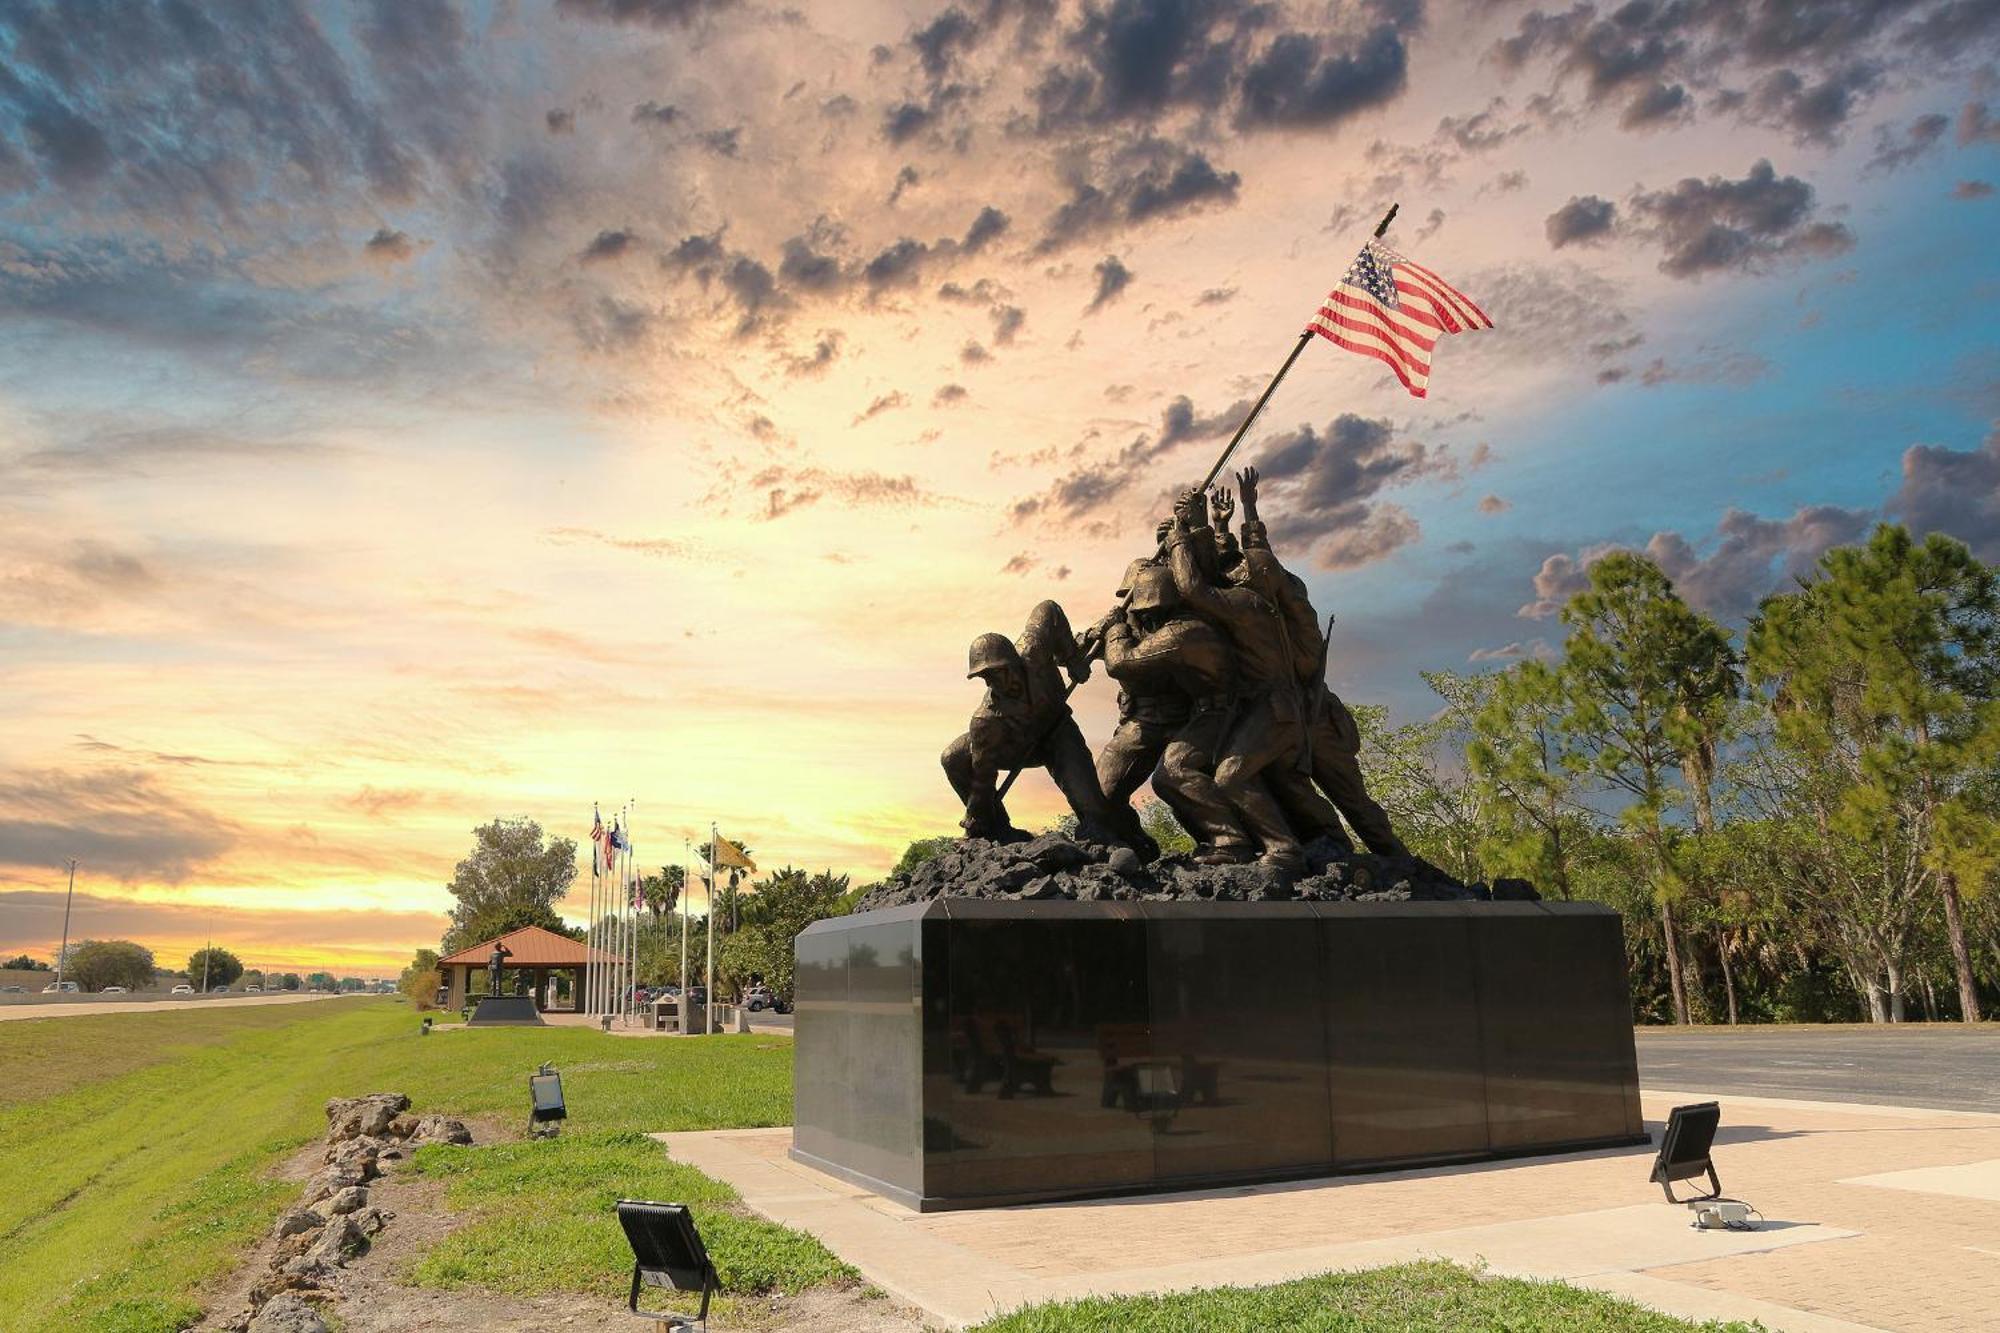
<point>667,1252</point>
<point>545,1102</point>
<point>427,1025</point>
<point>1684,1149</point>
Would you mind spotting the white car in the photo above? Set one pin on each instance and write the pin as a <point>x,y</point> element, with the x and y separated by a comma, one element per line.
<point>114,990</point>
<point>182,989</point>
<point>253,990</point>
<point>61,988</point>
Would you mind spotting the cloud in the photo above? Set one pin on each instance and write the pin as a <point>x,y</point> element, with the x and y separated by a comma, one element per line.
<point>905,179</point>
<point>1972,190</point>
<point>609,245</point>
<point>1977,125</point>
<point>1583,219</point>
<point>1143,181</point>
<point>1216,296</point>
<point>646,13</point>
<point>1661,104</point>
<point>948,394</point>
<point>1748,558</point>
<point>722,143</point>
<point>788,489</point>
<point>1007,322</point>
<point>1893,151</point>
<point>123,823</point>
<point>1112,278</point>
<point>1953,491</point>
<point>658,548</point>
<point>825,351</point>
<point>1717,225</point>
<point>388,246</point>
<point>655,113</point>
<point>887,402</point>
<point>1323,488</point>
<point>561,120</point>
<point>1304,81</point>
<point>988,227</point>
<point>1493,504</point>
<point>1081,495</point>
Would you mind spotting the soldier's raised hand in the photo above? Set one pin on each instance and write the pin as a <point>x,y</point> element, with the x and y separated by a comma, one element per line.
<point>1224,505</point>
<point>1246,485</point>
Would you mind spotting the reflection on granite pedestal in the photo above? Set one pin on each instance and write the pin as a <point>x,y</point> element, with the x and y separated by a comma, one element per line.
<point>962,1053</point>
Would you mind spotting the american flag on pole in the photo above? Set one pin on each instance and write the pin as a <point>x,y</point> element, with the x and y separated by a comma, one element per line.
<point>1395,310</point>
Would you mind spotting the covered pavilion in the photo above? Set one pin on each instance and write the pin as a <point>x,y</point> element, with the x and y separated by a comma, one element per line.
<point>538,958</point>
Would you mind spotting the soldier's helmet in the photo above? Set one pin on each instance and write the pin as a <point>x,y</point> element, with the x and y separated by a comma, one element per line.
<point>991,652</point>
<point>1153,590</point>
<point>1131,573</point>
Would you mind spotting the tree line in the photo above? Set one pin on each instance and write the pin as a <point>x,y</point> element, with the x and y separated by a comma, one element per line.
<point>1798,820</point>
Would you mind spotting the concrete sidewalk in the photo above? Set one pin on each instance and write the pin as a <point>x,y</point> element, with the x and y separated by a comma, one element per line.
<point>1876,1218</point>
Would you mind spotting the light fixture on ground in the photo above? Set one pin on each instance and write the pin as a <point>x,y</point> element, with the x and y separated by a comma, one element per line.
<point>1685,1145</point>
<point>545,1103</point>
<point>426,1030</point>
<point>667,1253</point>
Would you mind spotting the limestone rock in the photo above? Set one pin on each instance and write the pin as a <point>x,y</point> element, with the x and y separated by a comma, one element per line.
<point>349,1200</point>
<point>340,1241</point>
<point>287,1314</point>
<point>296,1220</point>
<point>370,1115</point>
<point>441,1129</point>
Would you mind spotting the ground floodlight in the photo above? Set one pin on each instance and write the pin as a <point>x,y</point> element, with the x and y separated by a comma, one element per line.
<point>1684,1149</point>
<point>545,1101</point>
<point>667,1252</point>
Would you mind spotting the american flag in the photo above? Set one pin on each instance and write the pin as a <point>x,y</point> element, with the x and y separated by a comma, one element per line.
<point>1395,311</point>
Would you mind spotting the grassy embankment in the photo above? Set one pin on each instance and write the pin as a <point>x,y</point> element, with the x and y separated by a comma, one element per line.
<point>140,1146</point>
<point>138,1150</point>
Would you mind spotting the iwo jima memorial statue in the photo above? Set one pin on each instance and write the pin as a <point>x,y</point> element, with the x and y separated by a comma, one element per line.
<point>1027,1018</point>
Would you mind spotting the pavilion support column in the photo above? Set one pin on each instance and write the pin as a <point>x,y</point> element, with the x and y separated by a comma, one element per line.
<point>455,999</point>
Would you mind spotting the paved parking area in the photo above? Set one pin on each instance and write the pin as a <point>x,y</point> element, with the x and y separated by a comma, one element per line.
<point>1950,1066</point>
<point>1875,1218</point>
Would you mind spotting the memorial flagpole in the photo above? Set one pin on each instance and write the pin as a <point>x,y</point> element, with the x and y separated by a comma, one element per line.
<point>714,880</point>
<point>586,1000</point>
<point>687,888</point>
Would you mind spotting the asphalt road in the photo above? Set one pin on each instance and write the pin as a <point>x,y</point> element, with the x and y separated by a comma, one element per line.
<point>1943,1066</point>
<point>156,1004</point>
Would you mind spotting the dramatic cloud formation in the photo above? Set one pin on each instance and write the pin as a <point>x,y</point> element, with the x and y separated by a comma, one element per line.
<point>412,412</point>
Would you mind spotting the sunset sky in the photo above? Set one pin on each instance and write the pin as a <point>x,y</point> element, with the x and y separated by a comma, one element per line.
<point>413,413</point>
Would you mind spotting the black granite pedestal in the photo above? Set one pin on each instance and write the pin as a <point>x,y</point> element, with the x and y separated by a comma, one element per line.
<point>505,1011</point>
<point>964,1053</point>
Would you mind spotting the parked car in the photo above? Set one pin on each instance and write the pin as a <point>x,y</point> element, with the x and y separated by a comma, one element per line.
<point>114,990</point>
<point>182,989</point>
<point>253,990</point>
<point>61,988</point>
<point>758,998</point>
<point>220,990</point>
<point>13,990</point>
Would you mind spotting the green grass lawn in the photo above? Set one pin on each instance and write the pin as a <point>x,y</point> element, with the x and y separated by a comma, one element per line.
<point>139,1170</point>
<point>138,1151</point>
<point>1432,1297</point>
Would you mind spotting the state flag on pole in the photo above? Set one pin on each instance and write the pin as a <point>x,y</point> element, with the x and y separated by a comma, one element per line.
<point>728,853</point>
<point>1395,310</point>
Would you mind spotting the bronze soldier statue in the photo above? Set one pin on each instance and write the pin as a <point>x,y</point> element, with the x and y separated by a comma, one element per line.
<point>501,953</point>
<point>1150,711</point>
<point>1333,743</point>
<point>1268,733</point>
<point>1025,722</point>
<point>1162,655</point>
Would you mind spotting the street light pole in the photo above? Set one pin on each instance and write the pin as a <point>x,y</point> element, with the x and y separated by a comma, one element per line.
<point>207,957</point>
<point>62,955</point>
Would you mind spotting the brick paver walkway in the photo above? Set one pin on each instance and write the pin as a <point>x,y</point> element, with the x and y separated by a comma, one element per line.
<point>1836,1253</point>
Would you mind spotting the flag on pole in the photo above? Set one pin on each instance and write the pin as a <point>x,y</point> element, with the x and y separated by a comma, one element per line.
<point>600,839</point>
<point>730,854</point>
<point>1395,310</point>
